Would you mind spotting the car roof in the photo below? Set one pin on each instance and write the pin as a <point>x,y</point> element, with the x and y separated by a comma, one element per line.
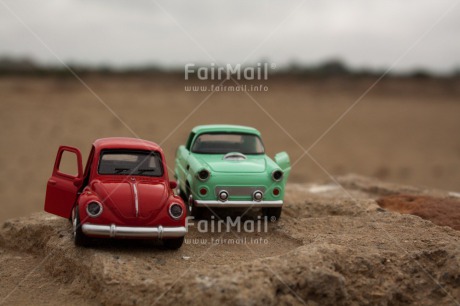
<point>125,143</point>
<point>227,128</point>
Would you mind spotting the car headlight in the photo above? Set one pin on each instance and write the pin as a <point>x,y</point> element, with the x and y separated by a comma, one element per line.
<point>203,175</point>
<point>175,211</point>
<point>94,209</point>
<point>277,175</point>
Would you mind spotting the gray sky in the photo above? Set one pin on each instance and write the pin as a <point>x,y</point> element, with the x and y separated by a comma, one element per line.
<point>121,32</point>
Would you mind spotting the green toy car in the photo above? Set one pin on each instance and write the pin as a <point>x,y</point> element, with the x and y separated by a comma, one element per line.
<point>226,166</point>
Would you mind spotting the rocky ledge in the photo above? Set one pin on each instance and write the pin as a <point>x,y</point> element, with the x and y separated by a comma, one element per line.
<point>334,244</point>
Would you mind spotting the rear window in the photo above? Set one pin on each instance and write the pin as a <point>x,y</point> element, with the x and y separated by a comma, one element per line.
<point>223,143</point>
<point>121,162</point>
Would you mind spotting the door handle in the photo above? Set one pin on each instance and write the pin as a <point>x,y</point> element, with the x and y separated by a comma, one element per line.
<point>52,182</point>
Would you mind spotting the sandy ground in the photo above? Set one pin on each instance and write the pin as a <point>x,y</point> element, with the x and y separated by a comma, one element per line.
<point>331,247</point>
<point>403,130</point>
<point>439,211</point>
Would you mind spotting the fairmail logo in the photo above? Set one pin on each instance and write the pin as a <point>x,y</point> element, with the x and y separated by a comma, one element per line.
<point>228,224</point>
<point>238,72</point>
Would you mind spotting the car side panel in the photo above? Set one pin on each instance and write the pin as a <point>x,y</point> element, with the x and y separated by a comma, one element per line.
<point>181,172</point>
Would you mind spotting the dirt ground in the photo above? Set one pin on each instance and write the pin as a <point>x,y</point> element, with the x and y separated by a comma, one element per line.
<point>440,211</point>
<point>332,246</point>
<point>404,130</point>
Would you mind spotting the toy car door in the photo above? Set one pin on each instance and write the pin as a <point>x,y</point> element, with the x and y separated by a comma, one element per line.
<point>64,183</point>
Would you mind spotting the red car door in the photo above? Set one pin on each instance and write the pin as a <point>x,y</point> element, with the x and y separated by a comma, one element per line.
<point>63,185</point>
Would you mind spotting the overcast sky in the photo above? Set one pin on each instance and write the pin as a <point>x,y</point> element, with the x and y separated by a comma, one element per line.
<point>363,33</point>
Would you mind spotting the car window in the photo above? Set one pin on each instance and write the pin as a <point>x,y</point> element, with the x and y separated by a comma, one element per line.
<point>118,162</point>
<point>189,141</point>
<point>223,143</point>
<point>68,163</point>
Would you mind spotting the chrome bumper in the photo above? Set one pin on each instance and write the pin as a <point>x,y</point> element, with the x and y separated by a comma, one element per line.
<point>133,232</point>
<point>200,203</point>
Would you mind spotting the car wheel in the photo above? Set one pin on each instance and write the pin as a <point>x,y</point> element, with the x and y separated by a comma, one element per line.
<point>272,213</point>
<point>78,237</point>
<point>192,209</point>
<point>173,243</point>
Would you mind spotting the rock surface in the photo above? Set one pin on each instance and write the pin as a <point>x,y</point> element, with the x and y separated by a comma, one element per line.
<point>331,246</point>
<point>438,210</point>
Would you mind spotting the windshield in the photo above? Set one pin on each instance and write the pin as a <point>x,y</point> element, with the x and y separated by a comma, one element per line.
<point>128,162</point>
<point>223,143</point>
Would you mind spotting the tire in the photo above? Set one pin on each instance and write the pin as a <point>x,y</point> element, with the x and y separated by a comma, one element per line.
<point>173,243</point>
<point>196,212</point>
<point>78,237</point>
<point>272,213</point>
<point>193,211</point>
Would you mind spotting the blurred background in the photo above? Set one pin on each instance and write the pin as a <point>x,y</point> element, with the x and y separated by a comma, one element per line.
<point>368,87</point>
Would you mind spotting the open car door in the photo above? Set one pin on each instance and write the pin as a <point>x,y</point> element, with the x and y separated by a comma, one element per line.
<point>63,185</point>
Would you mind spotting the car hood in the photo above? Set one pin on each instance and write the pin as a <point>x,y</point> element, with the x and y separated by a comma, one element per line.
<point>217,163</point>
<point>121,197</point>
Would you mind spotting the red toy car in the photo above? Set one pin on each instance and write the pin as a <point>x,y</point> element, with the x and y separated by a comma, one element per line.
<point>124,192</point>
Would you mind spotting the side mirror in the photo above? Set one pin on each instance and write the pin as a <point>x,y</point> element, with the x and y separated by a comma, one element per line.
<point>173,184</point>
<point>282,159</point>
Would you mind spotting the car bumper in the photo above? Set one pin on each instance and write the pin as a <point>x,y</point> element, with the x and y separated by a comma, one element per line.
<point>115,231</point>
<point>200,203</point>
